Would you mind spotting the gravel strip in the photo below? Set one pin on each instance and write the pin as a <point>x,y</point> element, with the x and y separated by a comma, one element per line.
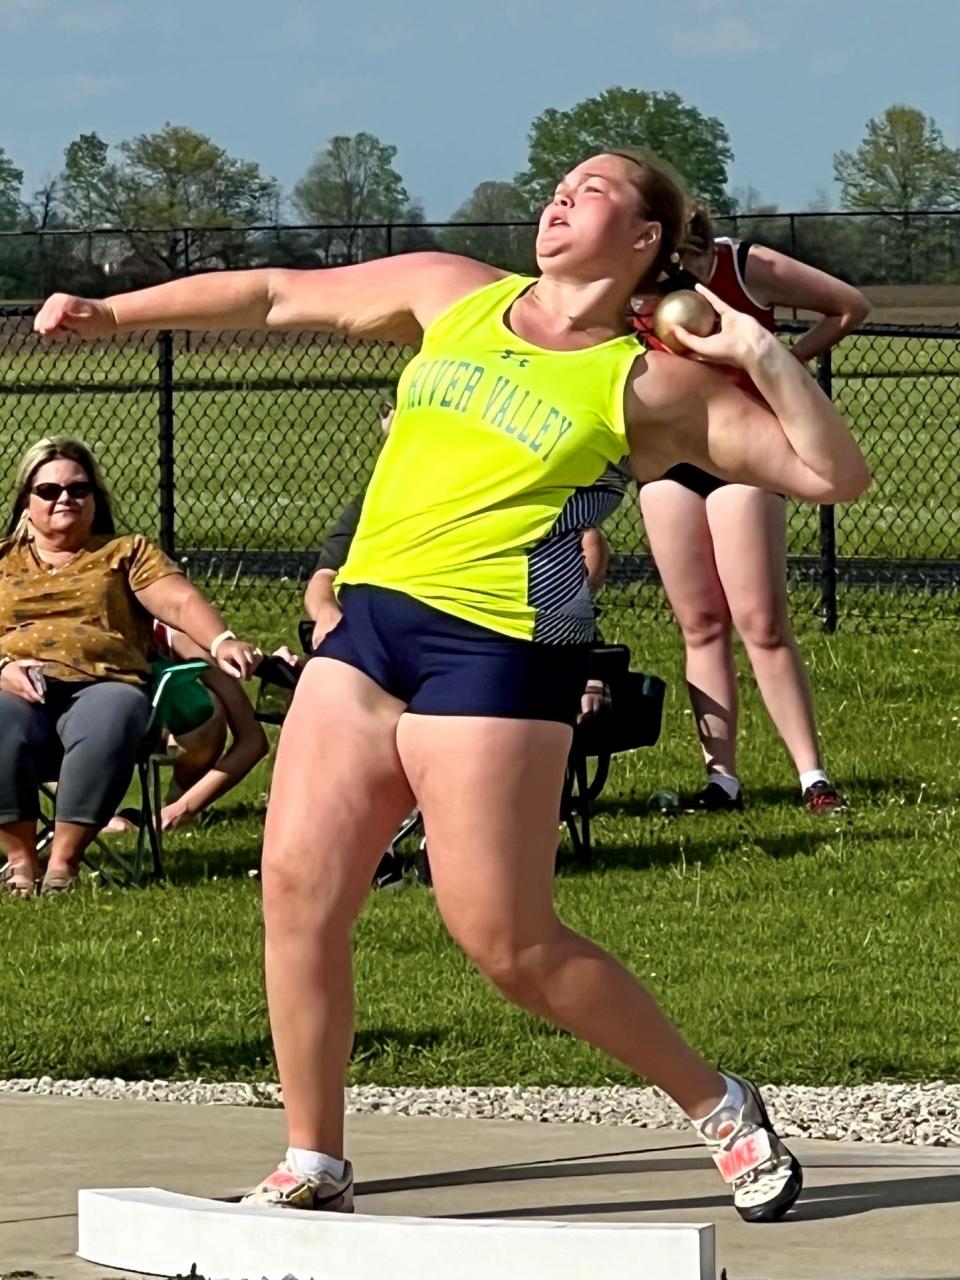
<point>924,1114</point>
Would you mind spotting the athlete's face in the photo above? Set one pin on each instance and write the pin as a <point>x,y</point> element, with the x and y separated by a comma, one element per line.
<point>594,222</point>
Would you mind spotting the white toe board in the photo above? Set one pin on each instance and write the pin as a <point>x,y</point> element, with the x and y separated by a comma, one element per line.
<point>163,1233</point>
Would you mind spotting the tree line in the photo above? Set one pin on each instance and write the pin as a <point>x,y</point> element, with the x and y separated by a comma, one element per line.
<point>147,189</point>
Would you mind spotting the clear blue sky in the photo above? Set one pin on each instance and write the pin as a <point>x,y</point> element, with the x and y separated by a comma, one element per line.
<point>455,86</point>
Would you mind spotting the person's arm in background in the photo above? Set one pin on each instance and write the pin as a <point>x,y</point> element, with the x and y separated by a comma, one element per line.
<point>319,599</point>
<point>248,742</point>
<point>177,602</point>
<point>596,556</point>
<point>777,280</point>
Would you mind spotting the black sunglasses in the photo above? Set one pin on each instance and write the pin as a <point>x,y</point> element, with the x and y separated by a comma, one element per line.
<point>79,490</point>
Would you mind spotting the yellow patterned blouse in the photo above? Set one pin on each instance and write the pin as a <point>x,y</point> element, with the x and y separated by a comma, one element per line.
<point>82,620</point>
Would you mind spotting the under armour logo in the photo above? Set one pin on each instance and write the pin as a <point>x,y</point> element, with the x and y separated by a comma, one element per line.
<point>522,361</point>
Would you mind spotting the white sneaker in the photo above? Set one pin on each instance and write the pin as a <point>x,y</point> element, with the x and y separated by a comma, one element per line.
<point>287,1188</point>
<point>765,1175</point>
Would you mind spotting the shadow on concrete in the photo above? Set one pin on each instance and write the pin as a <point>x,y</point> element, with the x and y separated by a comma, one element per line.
<point>586,1166</point>
<point>817,1204</point>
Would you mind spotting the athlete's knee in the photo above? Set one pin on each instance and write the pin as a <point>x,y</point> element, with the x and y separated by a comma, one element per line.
<point>518,965</point>
<point>298,896</point>
<point>704,627</point>
<point>763,626</point>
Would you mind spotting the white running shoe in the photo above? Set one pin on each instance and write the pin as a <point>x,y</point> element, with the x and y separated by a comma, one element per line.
<point>287,1188</point>
<point>765,1176</point>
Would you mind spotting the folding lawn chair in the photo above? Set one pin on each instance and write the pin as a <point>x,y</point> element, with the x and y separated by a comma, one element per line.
<point>110,863</point>
<point>632,720</point>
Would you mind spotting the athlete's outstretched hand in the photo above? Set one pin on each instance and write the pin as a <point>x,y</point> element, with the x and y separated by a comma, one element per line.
<point>739,339</point>
<point>64,316</point>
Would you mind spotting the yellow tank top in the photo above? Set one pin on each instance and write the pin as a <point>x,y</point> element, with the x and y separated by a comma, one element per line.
<point>490,472</point>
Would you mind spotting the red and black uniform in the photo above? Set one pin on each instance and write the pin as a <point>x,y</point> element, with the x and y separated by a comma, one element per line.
<point>728,282</point>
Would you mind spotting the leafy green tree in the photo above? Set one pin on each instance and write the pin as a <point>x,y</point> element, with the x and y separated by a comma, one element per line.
<point>697,146</point>
<point>509,246</point>
<point>351,182</point>
<point>902,165</point>
<point>413,235</point>
<point>84,182</point>
<point>173,178</point>
<point>11,179</point>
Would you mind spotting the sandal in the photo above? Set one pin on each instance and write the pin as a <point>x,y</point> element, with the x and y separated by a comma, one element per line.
<point>15,883</point>
<point>59,882</point>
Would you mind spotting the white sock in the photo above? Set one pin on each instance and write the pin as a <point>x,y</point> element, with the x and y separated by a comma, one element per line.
<point>732,1100</point>
<point>313,1162</point>
<point>810,776</point>
<point>727,782</point>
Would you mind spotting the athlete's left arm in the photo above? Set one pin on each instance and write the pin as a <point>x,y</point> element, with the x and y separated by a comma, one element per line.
<point>776,280</point>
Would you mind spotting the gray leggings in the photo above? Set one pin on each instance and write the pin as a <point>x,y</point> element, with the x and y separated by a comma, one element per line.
<point>83,735</point>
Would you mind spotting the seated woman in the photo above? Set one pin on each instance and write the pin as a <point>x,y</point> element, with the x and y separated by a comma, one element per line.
<point>200,720</point>
<point>76,603</point>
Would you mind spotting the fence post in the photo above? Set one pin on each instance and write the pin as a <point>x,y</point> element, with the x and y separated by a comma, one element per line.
<point>165,441</point>
<point>388,241</point>
<point>828,528</point>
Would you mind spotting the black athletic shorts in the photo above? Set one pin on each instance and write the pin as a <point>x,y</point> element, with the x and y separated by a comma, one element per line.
<point>697,481</point>
<point>441,665</point>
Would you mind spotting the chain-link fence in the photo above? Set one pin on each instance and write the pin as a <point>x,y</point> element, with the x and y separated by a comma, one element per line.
<point>910,252</point>
<point>237,452</point>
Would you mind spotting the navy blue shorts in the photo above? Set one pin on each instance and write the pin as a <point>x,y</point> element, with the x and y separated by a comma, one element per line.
<point>440,665</point>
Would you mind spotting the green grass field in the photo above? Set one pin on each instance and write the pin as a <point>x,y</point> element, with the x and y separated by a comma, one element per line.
<point>263,468</point>
<point>795,949</point>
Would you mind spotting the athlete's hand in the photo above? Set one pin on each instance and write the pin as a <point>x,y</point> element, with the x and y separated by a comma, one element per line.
<point>328,615</point>
<point>64,316</point>
<point>739,341</point>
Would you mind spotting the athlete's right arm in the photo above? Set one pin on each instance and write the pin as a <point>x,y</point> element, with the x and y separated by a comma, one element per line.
<point>681,411</point>
<point>389,298</point>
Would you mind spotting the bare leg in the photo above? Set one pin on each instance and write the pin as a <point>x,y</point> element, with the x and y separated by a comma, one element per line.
<point>199,751</point>
<point>18,840</point>
<point>489,790</point>
<point>337,797</point>
<point>749,538</point>
<point>679,536</point>
<point>70,839</point>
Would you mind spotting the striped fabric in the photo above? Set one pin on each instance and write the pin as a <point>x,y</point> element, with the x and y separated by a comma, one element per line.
<point>557,575</point>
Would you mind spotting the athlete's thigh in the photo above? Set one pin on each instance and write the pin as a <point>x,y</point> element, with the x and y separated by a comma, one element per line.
<point>675,519</point>
<point>748,527</point>
<point>489,789</point>
<point>338,790</point>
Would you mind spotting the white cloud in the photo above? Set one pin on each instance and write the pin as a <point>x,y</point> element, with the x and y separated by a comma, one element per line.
<point>725,37</point>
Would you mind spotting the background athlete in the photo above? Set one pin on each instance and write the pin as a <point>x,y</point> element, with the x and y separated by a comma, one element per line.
<point>720,547</point>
